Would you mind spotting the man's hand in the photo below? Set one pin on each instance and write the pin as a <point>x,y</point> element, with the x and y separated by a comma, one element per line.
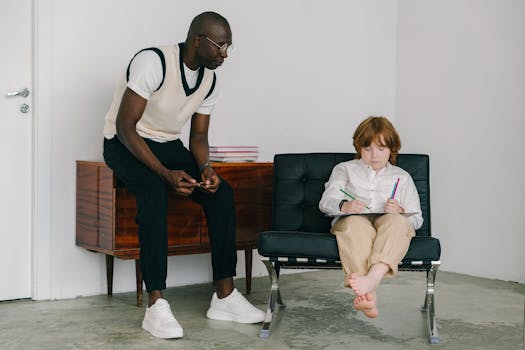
<point>181,182</point>
<point>392,206</point>
<point>210,181</point>
<point>353,207</point>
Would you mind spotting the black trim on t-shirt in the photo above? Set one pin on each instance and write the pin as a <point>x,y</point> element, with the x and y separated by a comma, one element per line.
<point>187,90</point>
<point>212,86</point>
<point>162,62</point>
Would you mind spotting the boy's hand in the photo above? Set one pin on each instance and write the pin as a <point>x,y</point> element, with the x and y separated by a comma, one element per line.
<point>353,207</point>
<point>392,206</point>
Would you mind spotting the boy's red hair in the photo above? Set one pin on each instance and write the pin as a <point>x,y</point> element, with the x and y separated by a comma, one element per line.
<point>380,130</point>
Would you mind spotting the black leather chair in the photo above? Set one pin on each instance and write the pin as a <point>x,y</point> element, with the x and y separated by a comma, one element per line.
<point>300,235</point>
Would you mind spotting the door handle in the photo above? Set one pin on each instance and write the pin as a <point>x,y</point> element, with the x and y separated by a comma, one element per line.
<point>22,92</point>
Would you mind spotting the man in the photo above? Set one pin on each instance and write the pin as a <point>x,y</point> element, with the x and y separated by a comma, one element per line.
<point>162,89</point>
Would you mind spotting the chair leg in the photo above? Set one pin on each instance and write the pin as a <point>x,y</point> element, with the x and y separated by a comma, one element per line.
<point>277,267</point>
<point>275,296</point>
<point>429,305</point>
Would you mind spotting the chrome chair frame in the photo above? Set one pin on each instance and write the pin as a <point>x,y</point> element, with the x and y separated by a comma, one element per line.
<point>274,265</point>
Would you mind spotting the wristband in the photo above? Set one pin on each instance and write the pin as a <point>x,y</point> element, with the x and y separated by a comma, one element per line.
<point>204,166</point>
<point>341,204</point>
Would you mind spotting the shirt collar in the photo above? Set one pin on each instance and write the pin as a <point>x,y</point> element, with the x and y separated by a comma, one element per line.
<point>387,167</point>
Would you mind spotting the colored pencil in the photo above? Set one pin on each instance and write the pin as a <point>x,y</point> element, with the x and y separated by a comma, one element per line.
<point>348,194</point>
<point>394,189</point>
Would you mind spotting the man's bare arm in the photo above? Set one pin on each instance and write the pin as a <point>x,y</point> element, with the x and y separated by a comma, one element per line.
<point>200,149</point>
<point>130,111</point>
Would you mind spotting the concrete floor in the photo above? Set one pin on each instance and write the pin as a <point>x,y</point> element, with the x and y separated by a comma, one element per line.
<point>473,313</point>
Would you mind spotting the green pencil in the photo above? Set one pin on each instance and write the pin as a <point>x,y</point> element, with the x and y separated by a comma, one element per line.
<point>348,194</point>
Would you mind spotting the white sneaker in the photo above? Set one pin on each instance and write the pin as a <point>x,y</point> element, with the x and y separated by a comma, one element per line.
<point>160,322</point>
<point>234,308</point>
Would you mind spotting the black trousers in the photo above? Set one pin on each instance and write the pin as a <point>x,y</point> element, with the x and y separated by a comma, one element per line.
<point>151,194</point>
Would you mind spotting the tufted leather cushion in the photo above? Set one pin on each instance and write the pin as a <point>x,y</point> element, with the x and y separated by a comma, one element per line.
<point>299,229</point>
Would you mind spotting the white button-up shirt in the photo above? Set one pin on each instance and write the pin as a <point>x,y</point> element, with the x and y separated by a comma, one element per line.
<point>371,187</point>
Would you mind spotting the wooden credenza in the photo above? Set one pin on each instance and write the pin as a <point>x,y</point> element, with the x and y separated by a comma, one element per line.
<point>105,215</point>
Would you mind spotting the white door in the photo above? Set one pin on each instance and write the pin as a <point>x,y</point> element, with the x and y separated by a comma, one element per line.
<point>15,150</point>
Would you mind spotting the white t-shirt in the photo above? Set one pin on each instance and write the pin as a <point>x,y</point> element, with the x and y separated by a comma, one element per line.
<point>145,76</point>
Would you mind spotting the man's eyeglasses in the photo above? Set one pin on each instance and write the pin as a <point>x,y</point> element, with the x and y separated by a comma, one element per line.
<point>224,49</point>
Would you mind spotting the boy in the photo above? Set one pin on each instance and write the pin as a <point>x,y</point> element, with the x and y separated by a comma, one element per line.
<point>371,246</point>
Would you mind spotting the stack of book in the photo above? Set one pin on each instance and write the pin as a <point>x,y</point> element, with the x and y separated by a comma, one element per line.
<point>234,153</point>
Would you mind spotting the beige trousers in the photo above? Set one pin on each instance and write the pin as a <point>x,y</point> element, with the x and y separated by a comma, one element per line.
<point>367,240</point>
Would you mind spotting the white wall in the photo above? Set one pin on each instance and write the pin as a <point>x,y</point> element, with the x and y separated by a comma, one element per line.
<point>297,65</point>
<point>461,98</point>
<point>449,73</point>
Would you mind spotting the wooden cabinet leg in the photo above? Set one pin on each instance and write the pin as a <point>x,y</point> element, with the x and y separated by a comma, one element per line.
<point>248,262</point>
<point>109,273</point>
<point>138,275</point>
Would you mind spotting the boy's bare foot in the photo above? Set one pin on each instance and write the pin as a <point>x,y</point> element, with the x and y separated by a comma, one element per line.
<point>362,285</point>
<point>367,304</point>
<point>369,283</point>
